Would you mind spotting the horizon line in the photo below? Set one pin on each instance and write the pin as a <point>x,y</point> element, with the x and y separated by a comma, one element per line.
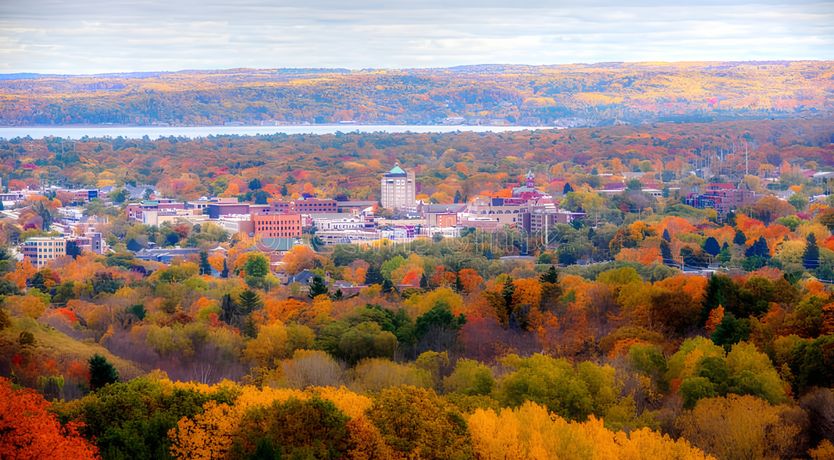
<point>402,69</point>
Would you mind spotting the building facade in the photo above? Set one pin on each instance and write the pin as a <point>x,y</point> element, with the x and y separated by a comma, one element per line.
<point>305,206</point>
<point>40,250</point>
<point>722,197</point>
<point>277,225</point>
<point>215,210</point>
<point>398,189</point>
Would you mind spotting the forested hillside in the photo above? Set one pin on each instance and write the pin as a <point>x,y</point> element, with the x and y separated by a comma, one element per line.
<point>569,95</point>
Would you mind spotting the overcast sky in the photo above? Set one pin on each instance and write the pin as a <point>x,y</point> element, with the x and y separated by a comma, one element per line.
<point>92,36</point>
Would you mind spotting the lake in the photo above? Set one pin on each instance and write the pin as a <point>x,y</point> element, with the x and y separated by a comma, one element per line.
<point>135,132</point>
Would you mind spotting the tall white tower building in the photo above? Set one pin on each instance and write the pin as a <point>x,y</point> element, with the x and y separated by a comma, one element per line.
<point>398,189</point>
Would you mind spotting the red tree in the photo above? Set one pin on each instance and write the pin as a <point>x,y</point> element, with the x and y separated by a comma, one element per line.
<point>29,431</point>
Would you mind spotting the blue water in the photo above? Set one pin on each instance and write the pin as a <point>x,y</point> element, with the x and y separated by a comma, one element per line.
<point>135,132</point>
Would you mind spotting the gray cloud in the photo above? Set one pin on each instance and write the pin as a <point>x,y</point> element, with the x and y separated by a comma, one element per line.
<point>90,36</point>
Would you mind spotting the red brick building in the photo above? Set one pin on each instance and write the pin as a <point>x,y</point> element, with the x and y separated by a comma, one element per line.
<point>277,225</point>
<point>306,206</point>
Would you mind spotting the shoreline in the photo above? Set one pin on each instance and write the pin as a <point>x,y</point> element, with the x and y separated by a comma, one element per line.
<point>154,132</point>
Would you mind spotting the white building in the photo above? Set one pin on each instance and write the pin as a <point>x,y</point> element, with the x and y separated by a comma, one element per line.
<point>398,189</point>
<point>340,223</point>
<point>40,250</point>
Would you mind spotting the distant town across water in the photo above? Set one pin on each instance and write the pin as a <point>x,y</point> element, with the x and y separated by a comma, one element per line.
<point>154,132</point>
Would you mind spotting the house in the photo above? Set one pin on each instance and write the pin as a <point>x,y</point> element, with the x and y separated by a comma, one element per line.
<point>304,277</point>
<point>346,288</point>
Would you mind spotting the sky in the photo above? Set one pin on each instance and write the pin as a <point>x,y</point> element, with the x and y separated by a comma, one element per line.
<point>93,36</point>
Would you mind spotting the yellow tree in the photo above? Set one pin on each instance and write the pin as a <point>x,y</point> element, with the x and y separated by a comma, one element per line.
<point>743,427</point>
<point>299,258</point>
<point>531,432</point>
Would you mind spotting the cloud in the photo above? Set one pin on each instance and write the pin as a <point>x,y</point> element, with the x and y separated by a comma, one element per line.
<point>87,36</point>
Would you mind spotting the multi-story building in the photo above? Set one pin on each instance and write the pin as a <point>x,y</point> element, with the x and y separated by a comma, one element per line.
<point>40,250</point>
<point>158,217</point>
<point>722,197</point>
<point>503,211</point>
<point>135,211</point>
<point>342,223</point>
<point>347,236</point>
<point>398,189</point>
<point>234,224</point>
<point>12,197</point>
<point>215,210</point>
<point>442,215</point>
<point>90,242</point>
<point>543,217</point>
<point>305,206</point>
<point>277,225</point>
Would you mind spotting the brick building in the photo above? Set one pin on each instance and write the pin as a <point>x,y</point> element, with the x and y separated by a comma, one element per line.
<point>277,225</point>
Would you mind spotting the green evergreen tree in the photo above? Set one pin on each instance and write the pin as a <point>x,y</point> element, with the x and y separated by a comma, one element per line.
<point>205,266</point>
<point>740,238</point>
<point>731,330</point>
<point>73,250</point>
<point>373,276</point>
<point>228,309</point>
<point>225,272</point>
<point>711,246</point>
<point>811,256</point>
<point>507,292</point>
<point>101,372</point>
<point>758,249</point>
<point>318,287</point>
<point>730,219</point>
<point>666,252</point>
<point>387,286</point>
<point>550,276</point>
<point>458,283</point>
<point>249,301</point>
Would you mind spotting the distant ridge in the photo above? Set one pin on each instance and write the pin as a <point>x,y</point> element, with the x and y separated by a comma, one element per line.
<point>568,95</point>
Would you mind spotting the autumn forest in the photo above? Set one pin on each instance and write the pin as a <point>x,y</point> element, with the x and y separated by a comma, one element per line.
<point>654,279</point>
<point>562,95</point>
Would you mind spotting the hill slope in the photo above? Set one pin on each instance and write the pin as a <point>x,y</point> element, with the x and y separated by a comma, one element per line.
<point>569,95</point>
